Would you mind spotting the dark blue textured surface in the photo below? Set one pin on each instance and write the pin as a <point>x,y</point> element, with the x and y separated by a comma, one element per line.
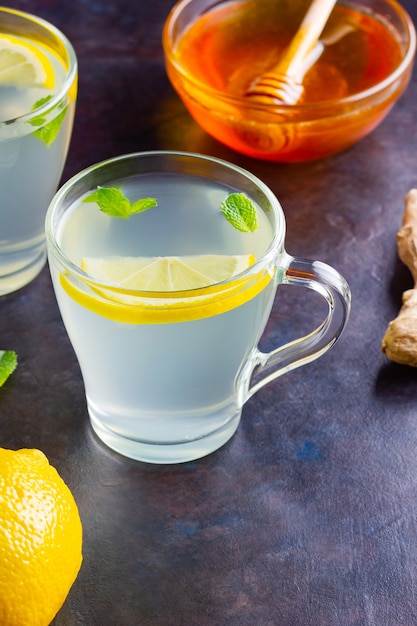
<point>308,516</point>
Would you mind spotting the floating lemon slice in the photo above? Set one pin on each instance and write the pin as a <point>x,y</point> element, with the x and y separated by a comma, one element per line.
<point>171,273</point>
<point>23,64</point>
<point>166,289</point>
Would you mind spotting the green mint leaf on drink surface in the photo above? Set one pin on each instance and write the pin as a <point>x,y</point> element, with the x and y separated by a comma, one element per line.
<point>240,212</point>
<point>48,131</point>
<point>112,201</point>
<point>8,362</point>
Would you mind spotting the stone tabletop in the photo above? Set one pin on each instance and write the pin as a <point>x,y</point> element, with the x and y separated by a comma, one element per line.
<point>308,516</point>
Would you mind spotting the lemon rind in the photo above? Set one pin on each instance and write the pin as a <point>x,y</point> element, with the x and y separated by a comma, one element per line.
<point>163,308</point>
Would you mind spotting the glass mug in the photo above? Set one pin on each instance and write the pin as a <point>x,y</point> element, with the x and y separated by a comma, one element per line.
<point>167,372</point>
<point>36,119</point>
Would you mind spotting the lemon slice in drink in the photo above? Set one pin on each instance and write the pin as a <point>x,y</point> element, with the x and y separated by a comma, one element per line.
<point>24,64</point>
<point>139,289</point>
<point>171,273</point>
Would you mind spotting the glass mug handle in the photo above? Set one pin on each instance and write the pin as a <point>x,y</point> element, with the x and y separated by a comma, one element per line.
<point>263,367</point>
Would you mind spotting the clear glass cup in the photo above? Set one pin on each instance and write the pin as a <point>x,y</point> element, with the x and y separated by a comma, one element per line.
<point>166,374</point>
<point>35,130</point>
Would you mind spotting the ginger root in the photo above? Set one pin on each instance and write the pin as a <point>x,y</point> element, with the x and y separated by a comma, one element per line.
<point>400,340</point>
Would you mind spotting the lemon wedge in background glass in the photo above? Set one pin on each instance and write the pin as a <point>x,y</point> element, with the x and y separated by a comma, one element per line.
<point>142,286</point>
<point>24,64</point>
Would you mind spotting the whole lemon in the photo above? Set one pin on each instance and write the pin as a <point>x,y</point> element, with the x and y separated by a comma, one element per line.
<point>40,539</point>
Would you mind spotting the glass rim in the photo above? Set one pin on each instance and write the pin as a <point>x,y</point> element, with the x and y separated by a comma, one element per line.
<point>71,72</point>
<point>268,258</point>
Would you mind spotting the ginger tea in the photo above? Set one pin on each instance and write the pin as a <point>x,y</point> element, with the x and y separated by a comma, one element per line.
<point>163,369</point>
<point>37,101</point>
<point>165,266</point>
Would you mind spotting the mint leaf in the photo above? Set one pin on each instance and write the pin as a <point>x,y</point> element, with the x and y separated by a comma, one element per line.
<point>48,132</point>
<point>142,204</point>
<point>39,120</point>
<point>112,201</point>
<point>8,362</point>
<point>240,212</point>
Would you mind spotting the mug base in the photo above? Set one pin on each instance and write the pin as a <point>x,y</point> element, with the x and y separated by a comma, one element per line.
<point>166,453</point>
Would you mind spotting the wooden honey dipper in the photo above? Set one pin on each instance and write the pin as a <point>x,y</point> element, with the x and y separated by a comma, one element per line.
<point>283,83</point>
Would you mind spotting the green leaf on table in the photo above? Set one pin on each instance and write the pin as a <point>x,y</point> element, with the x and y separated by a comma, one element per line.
<point>112,201</point>
<point>47,132</point>
<point>8,363</point>
<point>240,211</point>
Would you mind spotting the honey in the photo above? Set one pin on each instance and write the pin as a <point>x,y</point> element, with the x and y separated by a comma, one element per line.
<point>225,49</point>
<point>233,44</point>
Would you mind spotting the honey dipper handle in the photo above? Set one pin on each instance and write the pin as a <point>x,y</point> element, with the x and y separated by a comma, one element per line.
<point>305,38</point>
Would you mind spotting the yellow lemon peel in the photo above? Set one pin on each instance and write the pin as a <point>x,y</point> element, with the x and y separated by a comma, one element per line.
<point>137,306</point>
<point>24,64</point>
<point>40,539</point>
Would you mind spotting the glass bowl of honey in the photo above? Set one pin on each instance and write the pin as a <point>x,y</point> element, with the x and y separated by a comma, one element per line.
<point>215,50</point>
